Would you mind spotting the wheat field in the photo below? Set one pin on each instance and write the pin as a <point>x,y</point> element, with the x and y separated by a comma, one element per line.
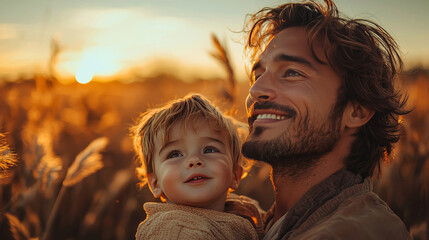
<point>68,169</point>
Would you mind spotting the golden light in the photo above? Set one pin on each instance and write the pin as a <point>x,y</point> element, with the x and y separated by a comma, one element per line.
<point>98,61</point>
<point>84,75</point>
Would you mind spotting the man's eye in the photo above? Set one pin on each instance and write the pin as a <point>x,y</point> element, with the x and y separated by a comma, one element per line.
<point>210,149</point>
<point>292,73</point>
<point>174,154</point>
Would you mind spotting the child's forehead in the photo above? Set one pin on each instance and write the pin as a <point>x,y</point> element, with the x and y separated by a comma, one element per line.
<point>182,127</point>
<point>194,125</point>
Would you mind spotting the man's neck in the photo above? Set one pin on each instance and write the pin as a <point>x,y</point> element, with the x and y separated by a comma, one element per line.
<point>289,189</point>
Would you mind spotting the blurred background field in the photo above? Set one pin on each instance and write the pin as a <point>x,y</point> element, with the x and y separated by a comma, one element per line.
<point>47,124</point>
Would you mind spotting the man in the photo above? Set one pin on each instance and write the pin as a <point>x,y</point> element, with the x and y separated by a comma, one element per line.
<point>323,112</point>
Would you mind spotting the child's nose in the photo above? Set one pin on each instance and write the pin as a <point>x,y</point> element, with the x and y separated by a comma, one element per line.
<point>195,162</point>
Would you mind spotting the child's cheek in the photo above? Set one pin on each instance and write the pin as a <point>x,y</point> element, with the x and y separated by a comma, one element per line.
<point>170,181</point>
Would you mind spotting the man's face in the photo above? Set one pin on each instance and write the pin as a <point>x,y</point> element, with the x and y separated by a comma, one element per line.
<point>291,104</point>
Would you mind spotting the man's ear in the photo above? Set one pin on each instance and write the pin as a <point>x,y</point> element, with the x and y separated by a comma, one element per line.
<point>236,178</point>
<point>356,115</point>
<point>155,188</point>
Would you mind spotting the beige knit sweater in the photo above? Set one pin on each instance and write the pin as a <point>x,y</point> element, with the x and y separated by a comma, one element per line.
<point>172,221</point>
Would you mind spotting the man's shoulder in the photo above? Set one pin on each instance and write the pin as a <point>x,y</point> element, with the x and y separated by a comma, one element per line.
<point>354,213</point>
<point>365,208</point>
<point>360,216</point>
<point>366,201</point>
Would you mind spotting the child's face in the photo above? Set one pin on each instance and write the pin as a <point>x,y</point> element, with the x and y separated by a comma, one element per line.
<point>194,166</point>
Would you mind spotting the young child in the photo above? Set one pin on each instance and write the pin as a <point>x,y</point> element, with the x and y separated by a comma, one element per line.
<point>190,156</point>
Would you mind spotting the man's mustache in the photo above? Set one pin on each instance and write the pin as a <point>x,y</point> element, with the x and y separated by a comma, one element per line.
<point>270,105</point>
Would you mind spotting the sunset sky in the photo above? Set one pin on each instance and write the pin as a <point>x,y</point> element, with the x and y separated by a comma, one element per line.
<point>113,38</point>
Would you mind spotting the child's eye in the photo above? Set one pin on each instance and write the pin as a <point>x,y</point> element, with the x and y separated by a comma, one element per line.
<point>174,154</point>
<point>210,149</point>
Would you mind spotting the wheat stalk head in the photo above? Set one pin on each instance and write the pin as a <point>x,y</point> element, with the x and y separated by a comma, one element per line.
<point>7,161</point>
<point>86,163</point>
<point>48,171</point>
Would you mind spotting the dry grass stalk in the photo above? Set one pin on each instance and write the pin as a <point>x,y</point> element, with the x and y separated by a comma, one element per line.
<point>48,171</point>
<point>221,54</point>
<point>53,60</point>
<point>87,162</point>
<point>100,204</point>
<point>40,142</point>
<point>15,229</point>
<point>7,161</point>
<point>7,158</point>
<point>45,165</point>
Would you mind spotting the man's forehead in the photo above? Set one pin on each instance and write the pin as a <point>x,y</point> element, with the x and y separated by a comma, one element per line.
<point>293,41</point>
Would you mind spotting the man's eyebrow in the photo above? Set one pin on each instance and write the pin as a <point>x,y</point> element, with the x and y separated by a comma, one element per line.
<point>285,57</point>
<point>290,58</point>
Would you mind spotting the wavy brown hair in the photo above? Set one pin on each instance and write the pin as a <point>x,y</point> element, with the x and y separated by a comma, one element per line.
<point>362,53</point>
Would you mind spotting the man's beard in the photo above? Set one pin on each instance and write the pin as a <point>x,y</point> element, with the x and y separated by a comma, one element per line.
<point>312,139</point>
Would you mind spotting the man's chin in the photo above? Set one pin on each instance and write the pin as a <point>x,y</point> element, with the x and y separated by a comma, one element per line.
<point>282,157</point>
<point>248,149</point>
<point>256,150</point>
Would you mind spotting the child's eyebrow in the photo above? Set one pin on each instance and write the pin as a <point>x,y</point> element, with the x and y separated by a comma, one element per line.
<point>214,140</point>
<point>167,144</point>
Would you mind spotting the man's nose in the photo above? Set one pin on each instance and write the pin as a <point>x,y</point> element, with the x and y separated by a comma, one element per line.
<point>262,89</point>
<point>195,161</point>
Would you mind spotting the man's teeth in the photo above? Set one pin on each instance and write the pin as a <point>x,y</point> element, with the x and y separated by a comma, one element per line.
<point>270,116</point>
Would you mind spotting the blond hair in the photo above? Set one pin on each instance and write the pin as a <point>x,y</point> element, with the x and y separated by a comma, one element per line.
<point>157,122</point>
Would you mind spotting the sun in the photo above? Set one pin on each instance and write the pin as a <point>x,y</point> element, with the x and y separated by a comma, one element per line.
<point>97,62</point>
<point>84,75</point>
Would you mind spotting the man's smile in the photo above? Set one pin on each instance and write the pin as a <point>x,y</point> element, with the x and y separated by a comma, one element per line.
<point>263,115</point>
<point>270,116</point>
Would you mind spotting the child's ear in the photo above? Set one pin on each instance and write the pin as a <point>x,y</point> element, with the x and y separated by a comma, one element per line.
<point>236,178</point>
<point>356,115</point>
<point>155,188</point>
